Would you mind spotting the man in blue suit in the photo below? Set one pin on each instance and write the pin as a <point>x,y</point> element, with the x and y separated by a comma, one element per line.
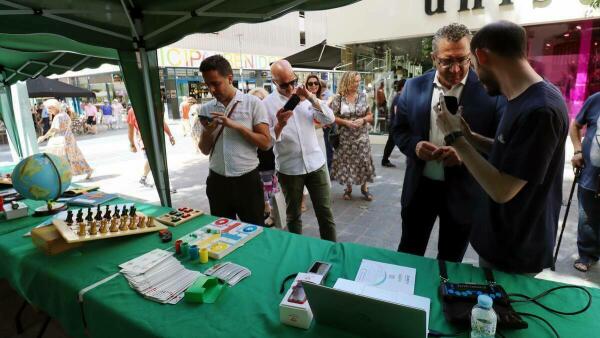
<point>436,183</point>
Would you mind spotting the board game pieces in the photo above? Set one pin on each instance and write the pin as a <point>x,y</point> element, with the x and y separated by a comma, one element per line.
<point>179,216</point>
<point>221,237</point>
<point>96,224</point>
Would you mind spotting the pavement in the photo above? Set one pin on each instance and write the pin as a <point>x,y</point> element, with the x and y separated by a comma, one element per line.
<point>376,223</point>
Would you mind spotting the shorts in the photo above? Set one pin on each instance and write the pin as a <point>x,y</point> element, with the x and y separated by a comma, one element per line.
<point>90,120</point>
<point>270,184</point>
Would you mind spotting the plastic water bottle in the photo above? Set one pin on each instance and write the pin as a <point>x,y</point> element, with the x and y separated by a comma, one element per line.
<point>483,318</point>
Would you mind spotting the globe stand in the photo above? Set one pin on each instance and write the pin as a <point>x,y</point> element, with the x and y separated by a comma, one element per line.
<point>50,208</point>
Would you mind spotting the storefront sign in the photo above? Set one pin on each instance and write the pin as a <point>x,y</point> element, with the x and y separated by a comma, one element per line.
<point>180,57</point>
<point>464,5</point>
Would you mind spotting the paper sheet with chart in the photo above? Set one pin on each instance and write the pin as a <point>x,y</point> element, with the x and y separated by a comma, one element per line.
<point>387,276</point>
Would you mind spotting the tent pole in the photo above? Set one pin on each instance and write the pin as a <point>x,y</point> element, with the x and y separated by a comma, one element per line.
<point>163,192</point>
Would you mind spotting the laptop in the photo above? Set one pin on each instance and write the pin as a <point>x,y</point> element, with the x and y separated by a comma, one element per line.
<point>365,316</point>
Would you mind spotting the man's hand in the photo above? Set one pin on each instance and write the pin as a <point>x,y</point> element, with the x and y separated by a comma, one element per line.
<point>302,92</point>
<point>425,151</point>
<point>448,156</point>
<point>577,160</point>
<point>221,118</point>
<point>133,148</point>
<point>283,117</point>
<point>172,140</point>
<point>209,127</point>
<point>447,122</point>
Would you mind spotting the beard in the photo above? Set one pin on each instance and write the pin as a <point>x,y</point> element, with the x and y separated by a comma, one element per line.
<point>489,81</point>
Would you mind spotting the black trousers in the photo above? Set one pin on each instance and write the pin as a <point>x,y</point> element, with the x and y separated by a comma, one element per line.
<point>389,147</point>
<point>418,218</point>
<point>234,197</point>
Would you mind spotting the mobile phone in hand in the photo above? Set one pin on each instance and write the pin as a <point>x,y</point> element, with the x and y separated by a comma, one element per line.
<point>451,104</point>
<point>206,119</point>
<point>292,103</point>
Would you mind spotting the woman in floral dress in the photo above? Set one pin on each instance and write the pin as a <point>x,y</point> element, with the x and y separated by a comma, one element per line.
<point>62,142</point>
<point>352,161</point>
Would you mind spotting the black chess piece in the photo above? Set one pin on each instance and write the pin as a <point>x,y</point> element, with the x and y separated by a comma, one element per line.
<point>79,218</point>
<point>69,219</point>
<point>89,217</point>
<point>132,211</point>
<point>124,211</point>
<point>98,214</point>
<point>116,212</point>
<point>107,213</point>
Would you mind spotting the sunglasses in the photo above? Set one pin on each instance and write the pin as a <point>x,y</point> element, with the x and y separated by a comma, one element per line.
<point>312,83</point>
<point>285,85</point>
<point>447,63</point>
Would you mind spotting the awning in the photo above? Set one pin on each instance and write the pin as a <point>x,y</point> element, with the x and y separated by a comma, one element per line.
<point>45,87</point>
<point>321,56</point>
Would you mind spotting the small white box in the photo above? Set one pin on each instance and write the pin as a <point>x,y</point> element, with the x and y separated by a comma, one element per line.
<point>11,213</point>
<point>294,314</point>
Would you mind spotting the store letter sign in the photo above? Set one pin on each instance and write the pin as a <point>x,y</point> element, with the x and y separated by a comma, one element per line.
<point>464,5</point>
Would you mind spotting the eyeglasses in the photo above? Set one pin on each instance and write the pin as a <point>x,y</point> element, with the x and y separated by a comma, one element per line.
<point>447,63</point>
<point>312,83</point>
<point>285,85</point>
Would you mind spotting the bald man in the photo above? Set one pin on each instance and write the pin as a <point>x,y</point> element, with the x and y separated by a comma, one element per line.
<point>299,159</point>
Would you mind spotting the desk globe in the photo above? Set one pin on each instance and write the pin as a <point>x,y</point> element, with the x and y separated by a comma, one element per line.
<point>43,177</point>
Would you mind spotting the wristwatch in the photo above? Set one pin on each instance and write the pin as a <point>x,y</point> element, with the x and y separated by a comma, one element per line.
<point>577,152</point>
<point>452,137</point>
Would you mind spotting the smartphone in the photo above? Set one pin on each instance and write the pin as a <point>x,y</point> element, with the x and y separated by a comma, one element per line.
<point>320,268</point>
<point>207,119</point>
<point>292,103</point>
<point>451,104</point>
<point>297,296</point>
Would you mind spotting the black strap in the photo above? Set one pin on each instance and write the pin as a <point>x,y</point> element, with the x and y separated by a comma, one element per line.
<point>221,130</point>
<point>489,275</point>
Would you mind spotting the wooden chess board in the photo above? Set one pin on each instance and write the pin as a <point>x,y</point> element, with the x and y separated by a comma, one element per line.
<point>222,236</point>
<point>179,216</point>
<point>94,227</point>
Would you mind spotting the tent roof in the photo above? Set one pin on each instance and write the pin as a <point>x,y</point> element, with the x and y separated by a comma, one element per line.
<point>119,23</point>
<point>321,56</point>
<point>44,87</point>
<point>28,56</point>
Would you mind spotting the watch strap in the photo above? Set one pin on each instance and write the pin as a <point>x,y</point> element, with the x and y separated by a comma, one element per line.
<point>452,137</point>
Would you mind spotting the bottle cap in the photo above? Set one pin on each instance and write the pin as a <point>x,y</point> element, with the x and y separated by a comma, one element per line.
<point>485,301</point>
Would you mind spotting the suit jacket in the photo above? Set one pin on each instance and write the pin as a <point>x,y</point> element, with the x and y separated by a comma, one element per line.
<point>413,121</point>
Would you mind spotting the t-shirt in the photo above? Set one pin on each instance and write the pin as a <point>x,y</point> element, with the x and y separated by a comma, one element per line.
<point>185,110</point>
<point>519,235</point>
<point>90,110</point>
<point>588,116</point>
<point>106,110</point>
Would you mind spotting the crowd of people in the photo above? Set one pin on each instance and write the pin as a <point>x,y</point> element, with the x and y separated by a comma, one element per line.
<point>483,134</point>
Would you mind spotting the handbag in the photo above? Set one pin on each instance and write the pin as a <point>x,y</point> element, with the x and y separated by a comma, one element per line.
<point>334,133</point>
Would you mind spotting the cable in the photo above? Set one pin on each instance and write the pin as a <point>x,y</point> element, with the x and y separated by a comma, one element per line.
<point>547,292</point>
<point>542,319</point>
<point>433,333</point>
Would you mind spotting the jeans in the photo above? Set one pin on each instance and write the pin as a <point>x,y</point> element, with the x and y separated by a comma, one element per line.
<point>328,147</point>
<point>317,183</point>
<point>588,229</point>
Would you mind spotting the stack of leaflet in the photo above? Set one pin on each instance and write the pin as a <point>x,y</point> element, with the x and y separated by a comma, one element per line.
<point>159,276</point>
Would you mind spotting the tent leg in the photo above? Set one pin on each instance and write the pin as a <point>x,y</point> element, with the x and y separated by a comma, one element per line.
<point>162,184</point>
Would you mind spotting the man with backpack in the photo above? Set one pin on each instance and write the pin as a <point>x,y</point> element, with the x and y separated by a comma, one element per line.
<point>587,158</point>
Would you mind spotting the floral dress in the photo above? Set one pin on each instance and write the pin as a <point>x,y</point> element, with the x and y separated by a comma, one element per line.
<point>63,144</point>
<point>352,161</point>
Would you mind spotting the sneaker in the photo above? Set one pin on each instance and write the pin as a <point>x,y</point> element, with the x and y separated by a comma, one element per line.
<point>145,183</point>
<point>388,164</point>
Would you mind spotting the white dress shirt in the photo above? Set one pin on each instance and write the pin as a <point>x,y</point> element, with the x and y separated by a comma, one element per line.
<point>297,150</point>
<point>233,155</point>
<point>434,169</point>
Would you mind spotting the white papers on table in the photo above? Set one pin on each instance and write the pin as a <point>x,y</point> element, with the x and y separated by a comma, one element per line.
<point>404,299</point>
<point>387,276</point>
<point>159,276</point>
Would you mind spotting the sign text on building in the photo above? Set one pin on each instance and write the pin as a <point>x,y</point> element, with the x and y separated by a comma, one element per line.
<point>464,5</point>
<point>191,58</point>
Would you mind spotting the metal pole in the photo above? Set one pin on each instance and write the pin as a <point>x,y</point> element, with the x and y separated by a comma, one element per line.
<point>163,191</point>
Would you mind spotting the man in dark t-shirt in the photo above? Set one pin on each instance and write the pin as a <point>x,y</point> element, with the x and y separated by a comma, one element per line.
<point>514,228</point>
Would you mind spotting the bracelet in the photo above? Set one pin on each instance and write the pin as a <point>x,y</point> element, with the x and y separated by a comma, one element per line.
<point>577,152</point>
<point>452,137</point>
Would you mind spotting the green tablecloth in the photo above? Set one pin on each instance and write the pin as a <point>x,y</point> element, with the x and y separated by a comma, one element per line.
<point>250,308</point>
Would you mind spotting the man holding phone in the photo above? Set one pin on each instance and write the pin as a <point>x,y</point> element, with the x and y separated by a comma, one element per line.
<point>436,183</point>
<point>234,124</point>
<point>299,159</point>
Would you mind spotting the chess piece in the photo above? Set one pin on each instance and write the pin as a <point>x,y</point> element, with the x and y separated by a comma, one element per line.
<point>123,225</point>
<point>150,222</point>
<point>98,214</point>
<point>141,222</point>
<point>103,224</point>
<point>69,219</point>
<point>93,228</point>
<point>114,225</point>
<point>132,222</point>
<point>81,231</point>
<point>107,213</point>
<point>132,211</point>
<point>89,216</point>
<point>116,212</point>
<point>124,211</point>
<point>79,218</point>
